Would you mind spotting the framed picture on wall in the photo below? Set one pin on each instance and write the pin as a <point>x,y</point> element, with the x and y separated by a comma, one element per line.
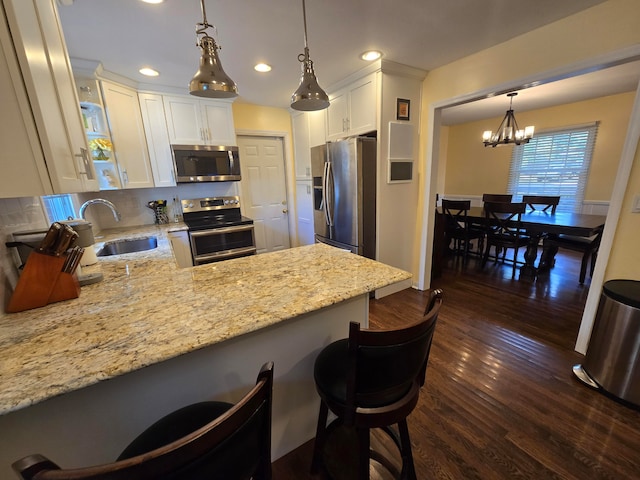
<point>402,109</point>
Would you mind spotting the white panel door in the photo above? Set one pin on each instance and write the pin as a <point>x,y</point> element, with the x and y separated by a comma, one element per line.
<point>264,195</point>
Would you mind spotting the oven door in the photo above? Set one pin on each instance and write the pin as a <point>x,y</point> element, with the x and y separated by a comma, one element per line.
<point>223,243</point>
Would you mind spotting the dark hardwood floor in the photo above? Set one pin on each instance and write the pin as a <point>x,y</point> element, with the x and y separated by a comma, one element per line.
<point>500,400</point>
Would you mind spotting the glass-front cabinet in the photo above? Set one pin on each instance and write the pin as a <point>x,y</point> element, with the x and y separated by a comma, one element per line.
<point>97,131</point>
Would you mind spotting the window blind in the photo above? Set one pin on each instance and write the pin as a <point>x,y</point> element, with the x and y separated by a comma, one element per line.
<point>554,162</point>
<point>58,207</point>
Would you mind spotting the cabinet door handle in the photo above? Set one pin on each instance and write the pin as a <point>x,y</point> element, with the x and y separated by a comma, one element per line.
<point>84,155</point>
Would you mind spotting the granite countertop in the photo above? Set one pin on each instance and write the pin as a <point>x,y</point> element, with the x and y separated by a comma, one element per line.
<point>147,309</point>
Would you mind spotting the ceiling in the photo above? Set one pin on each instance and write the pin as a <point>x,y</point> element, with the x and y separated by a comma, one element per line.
<point>125,35</point>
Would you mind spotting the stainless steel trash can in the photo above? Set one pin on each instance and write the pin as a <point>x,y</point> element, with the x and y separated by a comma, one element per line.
<point>612,361</point>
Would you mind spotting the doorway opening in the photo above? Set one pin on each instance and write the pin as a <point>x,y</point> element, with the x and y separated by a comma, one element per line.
<point>264,190</point>
<point>432,168</point>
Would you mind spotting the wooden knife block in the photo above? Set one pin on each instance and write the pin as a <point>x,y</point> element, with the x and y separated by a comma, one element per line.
<point>42,282</point>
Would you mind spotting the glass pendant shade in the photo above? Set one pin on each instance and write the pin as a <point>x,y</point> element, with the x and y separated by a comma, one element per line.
<point>211,80</point>
<point>309,96</point>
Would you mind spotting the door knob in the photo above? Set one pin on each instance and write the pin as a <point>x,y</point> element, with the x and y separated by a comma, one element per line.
<point>284,210</point>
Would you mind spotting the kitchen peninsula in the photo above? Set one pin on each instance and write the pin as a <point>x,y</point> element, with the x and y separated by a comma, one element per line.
<point>79,379</point>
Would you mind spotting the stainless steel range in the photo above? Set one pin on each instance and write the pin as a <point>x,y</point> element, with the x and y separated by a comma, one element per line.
<point>217,229</point>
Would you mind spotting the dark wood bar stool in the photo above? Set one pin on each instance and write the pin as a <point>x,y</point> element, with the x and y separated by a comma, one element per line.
<point>203,440</point>
<point>372,380</point>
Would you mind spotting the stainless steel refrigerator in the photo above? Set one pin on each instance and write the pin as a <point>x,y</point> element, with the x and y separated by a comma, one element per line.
<point>344,194</point>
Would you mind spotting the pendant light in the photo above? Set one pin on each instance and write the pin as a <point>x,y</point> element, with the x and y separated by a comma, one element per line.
<point>210,80</point>
<point>309,96</point>
<point>508,131</point>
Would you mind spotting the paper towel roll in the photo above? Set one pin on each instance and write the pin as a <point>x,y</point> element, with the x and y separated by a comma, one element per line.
<point>89,256</point>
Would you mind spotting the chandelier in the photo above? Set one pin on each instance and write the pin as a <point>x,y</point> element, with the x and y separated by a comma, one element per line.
<point>508,132</point>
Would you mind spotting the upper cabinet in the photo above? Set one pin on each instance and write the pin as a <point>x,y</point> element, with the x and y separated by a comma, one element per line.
<point>24,171</point>
<point>40,106</point>
<point>353,109</point>
<point>155,128</point>
<point>195,121</point>
<point>127,131</point>
<point>309,130</point>
<point>98,134</point>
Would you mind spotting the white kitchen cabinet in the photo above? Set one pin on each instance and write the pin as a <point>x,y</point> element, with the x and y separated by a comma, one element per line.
<point>353,109</point>
<point>32,30</point>
<point>304,206</point>
<point>317,122</point>
<point>158,143</point>
<point>181,248</point>
<point>127,131</point>
<point>194,121</point>
<point>309,130</point>
<point>301,146</point>
<point>24,172</point>
<point>97,132</point>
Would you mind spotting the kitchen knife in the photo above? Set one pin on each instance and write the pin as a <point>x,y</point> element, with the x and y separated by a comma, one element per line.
<point>68,261</point>
<point>65,239</point>
<point>50,239</point>
<point>78,251</point>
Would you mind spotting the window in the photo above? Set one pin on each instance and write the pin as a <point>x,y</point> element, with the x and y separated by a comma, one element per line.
<point>554,163</point>
<point>58,207</point>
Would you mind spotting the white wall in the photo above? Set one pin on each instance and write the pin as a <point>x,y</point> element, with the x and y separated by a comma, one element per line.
<point>397,202</point>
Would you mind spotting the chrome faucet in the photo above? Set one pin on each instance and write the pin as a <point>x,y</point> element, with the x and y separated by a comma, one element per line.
<point>83,207</point>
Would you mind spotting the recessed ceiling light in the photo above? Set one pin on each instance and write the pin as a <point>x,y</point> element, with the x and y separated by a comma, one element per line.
<point>149,72</point>
<point>153,1</point>
<point>262,67</point>
<point>371,55</point>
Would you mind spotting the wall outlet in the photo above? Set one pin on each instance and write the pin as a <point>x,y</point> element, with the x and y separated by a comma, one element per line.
<point>636,204</point>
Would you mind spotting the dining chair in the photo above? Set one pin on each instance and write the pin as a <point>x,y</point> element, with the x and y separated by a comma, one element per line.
<point>496,197</point>
<point>503,228</point>
<point>204,440</point>
<point>544,203</point>
<point>588,246</point>
<point>372,380</point>
<point>459,229</point>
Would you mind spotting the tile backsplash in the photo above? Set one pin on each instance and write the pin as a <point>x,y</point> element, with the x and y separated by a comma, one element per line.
<point>27,213</point>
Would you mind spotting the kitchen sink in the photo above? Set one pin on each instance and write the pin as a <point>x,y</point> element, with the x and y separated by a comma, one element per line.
<point>127,245</point>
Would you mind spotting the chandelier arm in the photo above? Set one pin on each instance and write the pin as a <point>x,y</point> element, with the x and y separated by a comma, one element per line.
<point>499,130</point>
<point>515,123</point>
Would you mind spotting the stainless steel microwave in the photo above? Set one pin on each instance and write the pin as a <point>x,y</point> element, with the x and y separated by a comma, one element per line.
<point>205,163</point>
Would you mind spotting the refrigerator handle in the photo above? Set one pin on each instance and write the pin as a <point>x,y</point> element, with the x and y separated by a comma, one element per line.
<point>326,195</point>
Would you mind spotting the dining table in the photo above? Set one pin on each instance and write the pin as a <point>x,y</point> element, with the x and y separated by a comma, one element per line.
<point>538,224</point>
